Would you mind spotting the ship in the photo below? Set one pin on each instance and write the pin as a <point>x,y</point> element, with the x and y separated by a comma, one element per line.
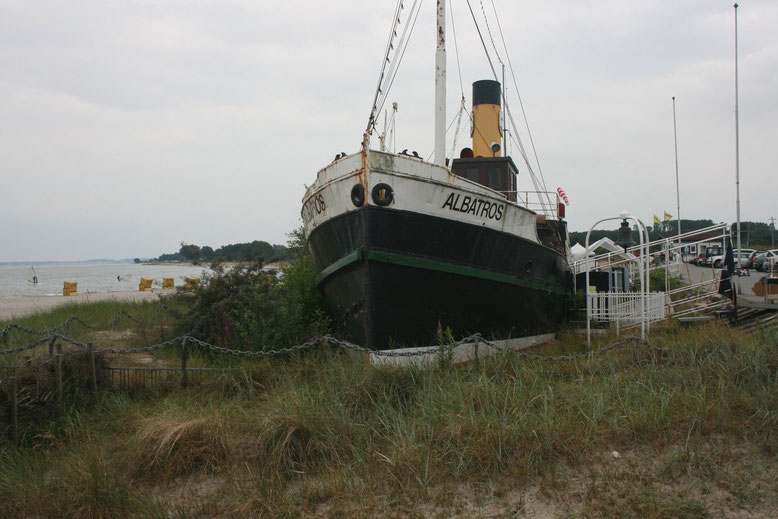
<point>406,248</point>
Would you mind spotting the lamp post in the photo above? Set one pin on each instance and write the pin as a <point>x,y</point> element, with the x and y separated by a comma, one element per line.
<point>642,269</point>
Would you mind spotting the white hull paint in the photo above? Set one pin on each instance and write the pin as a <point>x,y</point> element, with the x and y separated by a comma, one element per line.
<point>462,354</point>
<point>419,187</point>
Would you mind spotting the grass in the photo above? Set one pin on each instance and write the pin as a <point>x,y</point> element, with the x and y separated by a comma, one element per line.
<point>318,434</point>
<point>111,324</point>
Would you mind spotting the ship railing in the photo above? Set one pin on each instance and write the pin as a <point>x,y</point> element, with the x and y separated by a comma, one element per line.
<point>538,202</point>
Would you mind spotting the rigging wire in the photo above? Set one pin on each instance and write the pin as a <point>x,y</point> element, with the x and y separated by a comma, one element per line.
<point>483,43</point>
<point>518,94</point>
<point>456,49</point>
<point>462,109</point>
<point>389,46</point>
<point>387,77</point>
<point>455,119</point>
<point>489,31</point>
<point>402,47</point>
<point>537,182</point>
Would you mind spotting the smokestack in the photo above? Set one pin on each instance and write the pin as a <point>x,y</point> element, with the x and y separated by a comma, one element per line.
<point>486,134</point>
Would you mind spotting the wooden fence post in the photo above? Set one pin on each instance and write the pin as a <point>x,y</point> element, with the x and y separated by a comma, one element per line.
<point>51,347</point>
<point>184,354</point>
<point>14,409</point>
<point>58,375</point>
<point>90,348</point>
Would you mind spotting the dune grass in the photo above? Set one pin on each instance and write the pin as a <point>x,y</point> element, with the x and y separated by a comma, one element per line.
<point>695,432</point>
<point>114,324</point>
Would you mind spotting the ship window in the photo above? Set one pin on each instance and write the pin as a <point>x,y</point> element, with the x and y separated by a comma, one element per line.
<point>495,178</point>
<point>472,174</point>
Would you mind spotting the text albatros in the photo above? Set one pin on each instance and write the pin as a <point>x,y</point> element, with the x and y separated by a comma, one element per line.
<point>474,206</point>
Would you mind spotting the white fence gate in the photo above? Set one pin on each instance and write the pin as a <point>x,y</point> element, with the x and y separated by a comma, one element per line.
<point>624,308</point>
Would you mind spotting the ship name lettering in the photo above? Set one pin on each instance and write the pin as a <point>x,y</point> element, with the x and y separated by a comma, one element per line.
<point>475,206</point>
<point>313,207</point>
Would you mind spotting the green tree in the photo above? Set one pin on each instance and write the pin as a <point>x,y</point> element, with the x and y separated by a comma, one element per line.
<point>190,252</point>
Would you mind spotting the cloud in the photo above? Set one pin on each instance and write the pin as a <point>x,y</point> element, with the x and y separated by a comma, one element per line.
<point>134,125</point>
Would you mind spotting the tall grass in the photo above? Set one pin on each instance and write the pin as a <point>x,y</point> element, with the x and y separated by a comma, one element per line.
<point>320,432</point>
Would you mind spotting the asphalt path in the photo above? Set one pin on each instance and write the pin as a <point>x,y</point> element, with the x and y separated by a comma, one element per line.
<point>746,283</point>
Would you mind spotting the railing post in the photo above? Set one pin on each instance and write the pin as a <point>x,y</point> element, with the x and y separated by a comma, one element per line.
<point>14,409</point>
<point>184,354</point>
<point>90,349</point>
<point>58,375</point>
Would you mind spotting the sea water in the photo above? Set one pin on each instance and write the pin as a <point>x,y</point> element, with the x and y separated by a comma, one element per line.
<point>91,277</point>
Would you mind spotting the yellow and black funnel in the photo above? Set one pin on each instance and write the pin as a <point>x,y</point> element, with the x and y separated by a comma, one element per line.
<point>486,132</point>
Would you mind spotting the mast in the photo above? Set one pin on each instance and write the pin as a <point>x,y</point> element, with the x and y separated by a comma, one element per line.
<point>440,86</point>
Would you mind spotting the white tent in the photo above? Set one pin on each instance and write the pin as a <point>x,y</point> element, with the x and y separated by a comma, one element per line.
<point>579,252</point>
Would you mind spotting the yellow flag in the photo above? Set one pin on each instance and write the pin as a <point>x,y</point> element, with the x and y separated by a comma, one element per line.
<point>656,219</point>
<point>668,216</point>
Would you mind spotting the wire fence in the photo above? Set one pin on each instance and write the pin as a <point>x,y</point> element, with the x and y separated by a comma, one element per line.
<point>186,339</point>
<point>29,391</point>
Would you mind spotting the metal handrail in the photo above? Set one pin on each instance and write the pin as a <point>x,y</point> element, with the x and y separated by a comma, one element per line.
<point>539,206</point>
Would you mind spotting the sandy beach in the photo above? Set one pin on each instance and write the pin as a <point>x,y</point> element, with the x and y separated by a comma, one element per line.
<point>14,307</point>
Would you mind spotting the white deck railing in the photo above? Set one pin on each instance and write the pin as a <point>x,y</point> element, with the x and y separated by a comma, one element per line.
<point>538,202</point>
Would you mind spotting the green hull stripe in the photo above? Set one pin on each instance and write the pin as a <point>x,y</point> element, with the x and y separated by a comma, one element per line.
<point>428,264</point>
<point>342,262</point>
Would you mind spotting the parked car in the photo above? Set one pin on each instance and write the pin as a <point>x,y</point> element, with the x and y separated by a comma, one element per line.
<point>756,264</point>
<point>741,259</point>
<point>749,263</point>
<point>770,259</point>
<point>709,254</point>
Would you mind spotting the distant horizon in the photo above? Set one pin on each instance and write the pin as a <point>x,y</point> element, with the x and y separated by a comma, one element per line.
<point>93,260</point>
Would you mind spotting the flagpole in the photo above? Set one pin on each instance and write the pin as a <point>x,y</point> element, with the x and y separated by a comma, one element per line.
<point>677,188</point>
<point>737,141</point>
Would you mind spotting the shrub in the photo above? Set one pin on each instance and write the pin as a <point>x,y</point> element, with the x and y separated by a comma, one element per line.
<point>656,280</point>
<point>249,307</point>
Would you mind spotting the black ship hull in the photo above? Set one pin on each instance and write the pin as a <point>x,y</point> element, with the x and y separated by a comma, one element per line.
<point>392,277</point>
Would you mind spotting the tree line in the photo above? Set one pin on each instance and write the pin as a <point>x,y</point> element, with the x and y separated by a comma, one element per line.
<point>754,234</point>
<point>252,251</point>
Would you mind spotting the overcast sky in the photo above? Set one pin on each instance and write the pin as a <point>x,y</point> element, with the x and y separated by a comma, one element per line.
<point>129,126</point>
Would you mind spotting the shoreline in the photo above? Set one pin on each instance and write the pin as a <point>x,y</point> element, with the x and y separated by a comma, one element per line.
<point>23,306</point>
